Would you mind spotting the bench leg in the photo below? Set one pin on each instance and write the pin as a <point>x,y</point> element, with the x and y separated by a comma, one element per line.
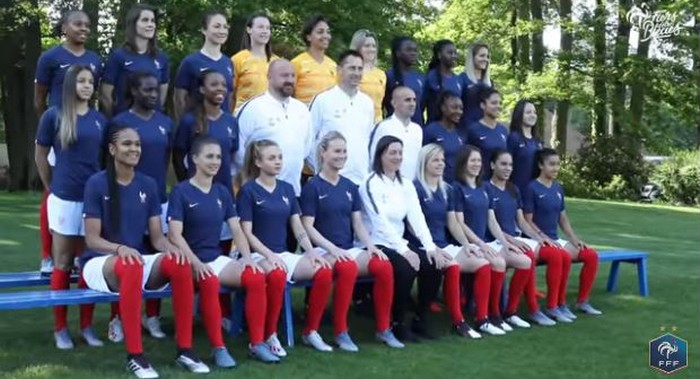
<point>288,318</point>
<point>612,278</point>
<point>237,312</point>
<point>642,277</point>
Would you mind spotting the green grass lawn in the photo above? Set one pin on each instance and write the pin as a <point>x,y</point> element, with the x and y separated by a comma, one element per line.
<point>612,346</point>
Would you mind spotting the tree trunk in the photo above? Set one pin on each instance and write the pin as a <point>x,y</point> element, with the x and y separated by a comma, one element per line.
<point>538,53</point>
<point>696,70</point>
<point>619,65</point>
<point>564,59</point>
<point>120,10</point>
<point>92,7</point>
<point>514,42</point>
<point>638,89</point>
<point>523,42</point>
<point>599,72</point>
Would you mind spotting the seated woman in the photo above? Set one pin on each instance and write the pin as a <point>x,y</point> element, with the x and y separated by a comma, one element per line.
<point>120,205</point>
<point>198,206</point>
<point>266,206</point>
<point>331,205</point>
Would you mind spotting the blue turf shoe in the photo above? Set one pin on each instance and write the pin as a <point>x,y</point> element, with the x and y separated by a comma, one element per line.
<point>90,337</point>
<point>557,315</point>
<point>541,319</point>
<point>222,358</point>
<point>345,343</point>
<point>389,339</point>
<point>564,309</point>
<point>63,340</point>
<point>262,353</point>
<point>588,309</point>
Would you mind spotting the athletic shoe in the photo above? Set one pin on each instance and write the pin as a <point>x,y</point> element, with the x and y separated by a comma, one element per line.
<point>314,340</point>
<point>557,315</point>
<point>222,358</point>
<point>389,339</point>
<point>517,322</point>
<point>463,329</point>
<point>262,353</point>
<point>46,267</point>
<point>345,343</point>
<point>541,319</point>
<point>490,329</point>
<point>564,309</point>
<point>500,324</point>
<point>152,325</point>
<point>588,309</point>
<point>419,327</point>
<point>404,334</point>
<point>90,337</point>
<point>139,366</point>
<point>191,363</point>
<point>275,346</point>
<point>63,340</point>
<point>115,333</point>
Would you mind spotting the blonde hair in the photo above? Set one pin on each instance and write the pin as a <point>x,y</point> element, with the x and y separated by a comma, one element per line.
<point>472,50</point>
<point>358,39</point>
<point>68,115</point>
<point>253,152</point>
<point>323,146</point>
<point>427,153</point>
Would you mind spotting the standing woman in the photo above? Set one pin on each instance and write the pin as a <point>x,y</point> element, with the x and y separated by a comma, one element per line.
<point>331,205</point>
<point>209,58</point>
<point>75,132</point>
<point>138,54</point>
<point>444,131</point>
<point>523,143</point>
<point>121,204</point>
<point>441,76</point>
<point>315,71</point>
<point>476,77</point>
<point>373,82</point>
<point>488,134</point>
<point>266,206</point>
<point>404,57</point>
<point>544,207</point>
<point>198,206</point>
<point>251,63</point>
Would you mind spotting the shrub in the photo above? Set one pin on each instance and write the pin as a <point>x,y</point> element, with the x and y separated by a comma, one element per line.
<point>679,178</point>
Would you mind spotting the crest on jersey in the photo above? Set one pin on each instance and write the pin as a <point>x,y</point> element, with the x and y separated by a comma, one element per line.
<point>420,83</point>
<point>349,195</point>
<point>92,67</point>
<point>286,200</point>
<point>230,132</point>
<point>218,201</point>
<point>230,72</point>
<point>503,137</point>
<point>155,61</point>
<point>162,130</point>
<point>98,124</point>
<point>142,196</point>
<point>559,195</point>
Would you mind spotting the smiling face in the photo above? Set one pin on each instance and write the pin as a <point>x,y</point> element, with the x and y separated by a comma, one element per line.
<point>335,155</point>
<point>435,166</point>
<point>77,28</point>
<point>260,30</point>
<point>492,106</point>
<point>350,71</point>
<point>448,55</point>
<point>481,59</point>
<point>148,93</point>
<point>213,88</point>
<point>208,159</point>
<point>126,147</point>
<point>392,157</point>
<point>474,164</point>
<point>452,110</point>
<point>84,85</point>
<point>216,31</point>
<point>146,24</point>
<point>368,50</point>
<point>270,160</point>
<point>529,115</point>
<point>502,167</point>
<point>550,167</point>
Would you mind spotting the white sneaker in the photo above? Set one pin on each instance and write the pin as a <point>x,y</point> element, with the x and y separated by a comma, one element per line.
<point>63,340</point>
<point>491,329</point>
<point>140,367</point>
<point>505,327</point>
<point>152,325</point>
<point>275,346</point>
<point>191,363</point>
<point>46,267</point>
<point>90,337</point>
<point>314,339</point>
<point>115,333</point>
<point>517,322</point>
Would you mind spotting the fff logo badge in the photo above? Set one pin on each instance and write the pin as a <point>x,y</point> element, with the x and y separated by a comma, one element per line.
<point>668,353</point>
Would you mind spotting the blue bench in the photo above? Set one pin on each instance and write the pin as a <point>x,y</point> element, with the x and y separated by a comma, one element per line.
<point>639,258</point>
<point>26,279</point>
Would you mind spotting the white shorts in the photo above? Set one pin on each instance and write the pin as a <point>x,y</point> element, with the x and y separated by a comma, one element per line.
<point>532,244</point>
<point>226,233</point>
<point>218,264</point>
<point>563,242</point>
<point>452,250</point>
<point>95,279</point>
<point>353,252</point>
<point>163,218</point>
<point>290,262</point>
<point>65,217</point>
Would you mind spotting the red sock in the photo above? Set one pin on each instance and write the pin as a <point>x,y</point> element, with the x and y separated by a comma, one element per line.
<point>209,307</point>
<point>130,291</point>
<point>565,270</point>
<point>255,304</point>
<point>382,291</point>
<point>180,277</point>
<point>450,289</point>
<point>321,286</point>
<point>589,257</point>
<point>86,310</point>
<point>60,280</point>
<point>497,278</point>
<point>531,284</point>
<point>152,307</point>
<point>482,285</point>
<point>553,257</point>
<point>345,276</point>
<point>114,312</point>
<point>276,282</point>
<point>516,288</point>
<point>44,232</point>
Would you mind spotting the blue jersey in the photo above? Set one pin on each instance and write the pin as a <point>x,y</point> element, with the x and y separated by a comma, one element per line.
<point>505,204</point>
<point>487,140</point>
<point>194,64</point>
<point>433,87</point>
<point>121,63</point>
<point>413,80</point>
<point>53,64</point>
<point>471,101</point>
<point>435,210</point>
<point>332,207</point>
<point>475,204</point>
<point>224,130</point>
<point>523,151</point>
<point>156,140</point>
<point>201,215</point>
<point>268,211</point>
<point>76,163</point>
<point>545,204</point>
<point>138,202</point>
<point>451,143</point>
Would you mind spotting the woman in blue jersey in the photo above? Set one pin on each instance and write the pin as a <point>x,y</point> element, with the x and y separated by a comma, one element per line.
<point>403,73</point>
<point>476,77</point>
<point>523,143</point>
<point>75,132</point>
<point>331,205</point>
<point>474,211</point>
<point>444,131</point>
<point>138,54</point>
<point>544,208</point>
<point>437,203</point>
<point>197,207</point>
<point>266,206</point>
<point>488,134</point>
<point>441,77</point>
<point>121,204</point>
<point>215,29</point>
